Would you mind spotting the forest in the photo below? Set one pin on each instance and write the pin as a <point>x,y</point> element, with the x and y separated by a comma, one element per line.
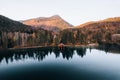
<point>14,34</point>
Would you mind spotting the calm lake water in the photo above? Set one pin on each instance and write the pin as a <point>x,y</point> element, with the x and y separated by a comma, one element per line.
<point>50,63</point>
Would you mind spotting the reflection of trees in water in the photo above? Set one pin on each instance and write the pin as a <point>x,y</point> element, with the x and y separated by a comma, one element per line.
<point>109,48</point>
<point>39,53</point>
<point>67,53</point>
<point>81,51</point>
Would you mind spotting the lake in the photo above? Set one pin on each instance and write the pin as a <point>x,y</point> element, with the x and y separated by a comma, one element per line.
<point>70,63</point>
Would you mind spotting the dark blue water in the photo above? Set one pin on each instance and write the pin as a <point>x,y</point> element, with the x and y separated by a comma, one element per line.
<point>50,63</point>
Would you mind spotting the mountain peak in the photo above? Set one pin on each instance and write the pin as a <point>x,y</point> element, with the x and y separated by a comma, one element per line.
<point>48,23</point>
<point>55,16</point>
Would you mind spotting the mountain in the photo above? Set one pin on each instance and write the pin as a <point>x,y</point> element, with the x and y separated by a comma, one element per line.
<point>114,19</point>
<point>103,31</point>
<point>17,34</point>
<point>53,23</point>
<point>14,34</point>
<point>101,23</point>
<point>7,24</point>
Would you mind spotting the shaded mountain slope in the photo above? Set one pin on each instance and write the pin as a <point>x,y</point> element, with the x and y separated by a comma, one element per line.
<point>7,24</point>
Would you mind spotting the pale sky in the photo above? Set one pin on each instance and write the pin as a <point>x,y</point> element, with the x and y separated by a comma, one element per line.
<point>75,12</point>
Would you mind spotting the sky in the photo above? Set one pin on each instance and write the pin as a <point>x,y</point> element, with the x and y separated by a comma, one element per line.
<point>75,12</point>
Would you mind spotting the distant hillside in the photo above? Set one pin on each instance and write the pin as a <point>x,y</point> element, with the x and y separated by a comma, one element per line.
<point>103,31</point>
<point>115,19</point>
<point>84,24</point>
<point>7,24</point>
<point>104,22</point>
<point>54,23</point>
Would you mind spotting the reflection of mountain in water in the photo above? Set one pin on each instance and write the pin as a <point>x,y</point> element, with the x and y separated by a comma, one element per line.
<point>40,53</point>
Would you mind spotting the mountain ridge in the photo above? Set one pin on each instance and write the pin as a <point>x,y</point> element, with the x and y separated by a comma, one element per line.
<point>7,24</point>
<point>48,23</point>
<point>107,20</point>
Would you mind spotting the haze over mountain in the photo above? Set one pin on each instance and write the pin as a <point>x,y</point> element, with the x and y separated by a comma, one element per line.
<point>53,23</point>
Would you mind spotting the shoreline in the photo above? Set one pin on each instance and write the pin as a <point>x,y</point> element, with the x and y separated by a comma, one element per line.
<point>92,45</point>
<point>34,47</point>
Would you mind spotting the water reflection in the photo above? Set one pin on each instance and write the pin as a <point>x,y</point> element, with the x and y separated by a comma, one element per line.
<point>109,48</point>
<point>91,67</point>
<point>40,53</point>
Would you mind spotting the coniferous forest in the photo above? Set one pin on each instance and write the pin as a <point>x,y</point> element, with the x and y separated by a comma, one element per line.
<point>15,34</point>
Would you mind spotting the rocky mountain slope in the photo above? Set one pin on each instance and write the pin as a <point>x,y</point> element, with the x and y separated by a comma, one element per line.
<point>53,23</point>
